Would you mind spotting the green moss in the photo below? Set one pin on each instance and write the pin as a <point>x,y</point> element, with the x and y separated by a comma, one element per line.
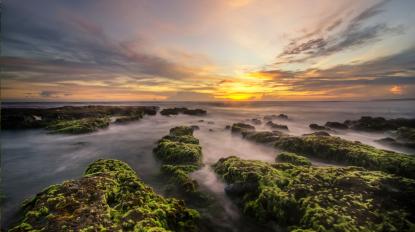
<point>302,198</point>
<point>180,154</point>
<point>66,117</point>
<point>110,197</point>
<point>293,159</point>
<point>262,136</point>
<point>182,139</point>
<point>78,126</point>
<point>335,149</point>
<point>172,152</point>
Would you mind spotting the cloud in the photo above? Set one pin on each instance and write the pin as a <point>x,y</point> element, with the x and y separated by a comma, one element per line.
<point>396,70</point>
<point>77,44</point>
<point>51,94</point>
<point>322,43</point>
<point>191,96</point>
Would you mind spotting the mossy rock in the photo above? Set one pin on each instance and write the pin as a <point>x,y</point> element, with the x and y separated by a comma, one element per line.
<point>172,152</point>
<point>262,136</point>
<point>241,127</point>
<point>367,123</point>
<point>78,126</point>
<point>180,154</point>
<point>302,198</point>
<point>317,127</point>
<point>293,159</point>
<point>335,149</point>
<point>276,126</point>
<point>110,197</point>
<point>181,130</point>
<point>24,118</point>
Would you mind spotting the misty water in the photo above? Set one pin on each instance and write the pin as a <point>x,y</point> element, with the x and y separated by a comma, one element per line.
<point>34,159</point>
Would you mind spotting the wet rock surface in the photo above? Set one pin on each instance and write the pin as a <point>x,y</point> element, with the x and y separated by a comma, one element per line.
<point>71,119</point>
<point>182,110</point>
<point>337,125</point>
<point>241,127</point>
<point>303,198</point>
<point>317,127</point>
<point>276,126</point>
<point>110,197</point>
<point>367,123</point>
<point>338,150</point>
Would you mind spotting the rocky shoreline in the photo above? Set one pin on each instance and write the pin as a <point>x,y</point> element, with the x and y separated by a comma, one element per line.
<point>372,192</point>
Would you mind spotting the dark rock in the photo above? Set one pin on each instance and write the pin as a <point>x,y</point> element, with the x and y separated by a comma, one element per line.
<point>24,118</point>
<point>195,127</point>
<point>182,110</point>
<point>276,126</point>
<point>256,121</point>
<point>318,133</point>
<point>241,127</point>
<point>368,123</point>
<point>337,125</point>
<point>314,126</point>
<point>283,116</point>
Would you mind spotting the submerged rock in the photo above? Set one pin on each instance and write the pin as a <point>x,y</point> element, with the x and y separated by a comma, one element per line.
<point>241,127</point>
<point>182,110</point>
<point>293,158</point>
<point>276,126</point>
<point>273,116</point>
<point>302,198</point>
<point>367,123</point>
<point>262,136</point>
<point>406,134</point>
<point>314,126</point>
<point>337,125</point>
<point>195,127</point>
<point>126,119</point>
<point>256,121</point>
<point>110,197</point>
<point>318,133</point>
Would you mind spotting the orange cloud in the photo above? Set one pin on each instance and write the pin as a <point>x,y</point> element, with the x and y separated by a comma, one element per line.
<point>396,89</point>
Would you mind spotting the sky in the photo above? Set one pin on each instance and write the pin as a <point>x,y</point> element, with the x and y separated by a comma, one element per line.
<point>207,50</point>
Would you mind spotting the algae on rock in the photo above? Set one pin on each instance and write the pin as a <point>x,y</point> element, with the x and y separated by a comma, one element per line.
<point>78,126</point>
<point>180,154</point>
<point>293,159</point>
<point>336,149</point>
<point>302,198</point>
<point>110,197</point>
